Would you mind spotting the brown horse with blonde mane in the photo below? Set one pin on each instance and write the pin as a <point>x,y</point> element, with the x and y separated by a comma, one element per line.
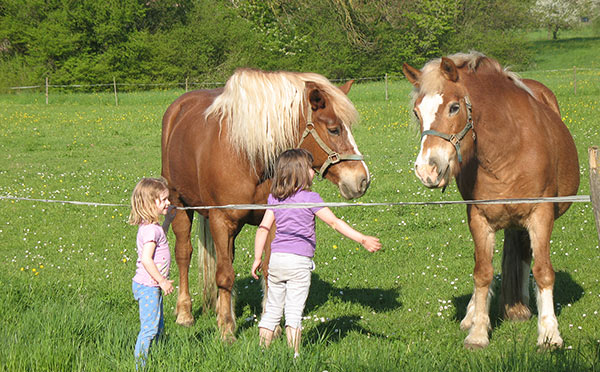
<point>219,148</point>
<point>501,138</point>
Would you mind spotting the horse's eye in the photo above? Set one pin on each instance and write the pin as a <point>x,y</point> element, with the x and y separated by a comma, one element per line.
<point>334,131</point>
<point>416,115</point>
<point>454,108</point>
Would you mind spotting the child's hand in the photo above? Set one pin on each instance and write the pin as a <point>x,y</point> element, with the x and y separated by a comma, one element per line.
<point>255,268</point>
<point>371,243</point>
<point>166,285</point>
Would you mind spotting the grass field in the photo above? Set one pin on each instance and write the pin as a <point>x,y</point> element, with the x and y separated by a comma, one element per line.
<point>65,270</point>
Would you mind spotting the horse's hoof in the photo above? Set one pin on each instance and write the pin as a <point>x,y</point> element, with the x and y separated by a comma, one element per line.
<point>185,320</point>
<point>517,313</point>
<point>228,338</point>
<point>474,343</point>
<point>553,343</point>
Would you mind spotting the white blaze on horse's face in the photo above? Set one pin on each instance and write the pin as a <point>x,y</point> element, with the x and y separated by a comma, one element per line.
<point>432,163</point>
<point>355,148</point>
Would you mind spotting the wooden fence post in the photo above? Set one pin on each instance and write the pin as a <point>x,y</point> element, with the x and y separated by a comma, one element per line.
<point>386,87</point>
<point>186,84</point>
<point>574,80</point>
<point>595,185</point>
<point>115,86</point>
<point>46,89</point>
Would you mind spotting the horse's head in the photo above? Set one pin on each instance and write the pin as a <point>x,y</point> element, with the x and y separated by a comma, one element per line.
<point>443,110</point>
<point>328,137</point>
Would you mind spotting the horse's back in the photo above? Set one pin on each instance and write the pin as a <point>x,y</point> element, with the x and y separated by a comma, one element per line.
<point>550,135</point>
<point>543,94</point>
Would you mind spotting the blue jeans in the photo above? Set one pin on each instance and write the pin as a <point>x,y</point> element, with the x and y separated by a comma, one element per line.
<point>151,319</point>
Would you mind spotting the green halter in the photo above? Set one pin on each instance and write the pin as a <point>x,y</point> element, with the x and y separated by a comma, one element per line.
<point>332,156</point>
<point>456,138</point>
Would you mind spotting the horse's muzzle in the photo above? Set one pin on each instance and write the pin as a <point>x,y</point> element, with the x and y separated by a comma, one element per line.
<point>433,175</point>
<point>354,189</point>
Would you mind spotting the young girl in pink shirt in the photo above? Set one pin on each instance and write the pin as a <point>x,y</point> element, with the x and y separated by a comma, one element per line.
<point>293,248</point>
<point>148,202</point>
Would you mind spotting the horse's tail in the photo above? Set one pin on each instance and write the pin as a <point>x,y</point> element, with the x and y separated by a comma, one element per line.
<point>516,261</point>
<point>207,263</point>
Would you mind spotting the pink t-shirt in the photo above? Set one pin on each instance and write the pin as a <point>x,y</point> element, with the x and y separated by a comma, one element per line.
<point>162,255</point>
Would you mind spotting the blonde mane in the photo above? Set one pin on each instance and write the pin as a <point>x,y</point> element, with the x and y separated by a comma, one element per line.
<point>262,111</point>
<point>432,79</point>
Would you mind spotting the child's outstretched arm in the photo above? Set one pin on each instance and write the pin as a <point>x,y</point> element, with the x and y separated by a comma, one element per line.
<point>260,239</point>
<point>370,243</point>
<point>148,261</point>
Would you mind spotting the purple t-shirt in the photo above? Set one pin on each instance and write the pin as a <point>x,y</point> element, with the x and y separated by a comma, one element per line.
<point>162,255</point>
<point>295,226</point>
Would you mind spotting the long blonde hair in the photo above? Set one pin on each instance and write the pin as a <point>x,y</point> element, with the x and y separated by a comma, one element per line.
<point>292,173</point>
<point>143,200</point>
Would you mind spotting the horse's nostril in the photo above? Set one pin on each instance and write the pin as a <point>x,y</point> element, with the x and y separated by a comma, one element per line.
<point>364,185</point>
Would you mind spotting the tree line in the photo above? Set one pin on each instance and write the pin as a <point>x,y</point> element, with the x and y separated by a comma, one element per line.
<point>154,41</point>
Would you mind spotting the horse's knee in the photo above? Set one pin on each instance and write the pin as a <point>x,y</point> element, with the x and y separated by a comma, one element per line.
<point>544,275</point>
<point>225,279</point>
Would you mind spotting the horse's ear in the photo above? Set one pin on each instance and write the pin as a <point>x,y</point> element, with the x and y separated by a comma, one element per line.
<point>412,74</point>
<point>449,69</point>
<point>346,87</point>
<point>315,96</point>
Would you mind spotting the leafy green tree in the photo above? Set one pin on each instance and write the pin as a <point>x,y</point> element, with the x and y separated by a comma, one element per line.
<point>556,15</point>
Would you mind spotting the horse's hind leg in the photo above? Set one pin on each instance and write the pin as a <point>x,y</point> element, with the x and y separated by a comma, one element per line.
<point>541,224</point>
<point>516,262</point>
<point>182,225</point>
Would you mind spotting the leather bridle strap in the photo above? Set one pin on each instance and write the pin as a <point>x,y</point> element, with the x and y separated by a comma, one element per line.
<point>332,156</point>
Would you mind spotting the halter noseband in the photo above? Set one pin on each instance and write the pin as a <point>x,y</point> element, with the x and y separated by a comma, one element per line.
<point>456,138</point>
<point>332,156</point>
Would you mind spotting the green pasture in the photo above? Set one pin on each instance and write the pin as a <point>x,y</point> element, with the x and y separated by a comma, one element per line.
<point>65,270</point>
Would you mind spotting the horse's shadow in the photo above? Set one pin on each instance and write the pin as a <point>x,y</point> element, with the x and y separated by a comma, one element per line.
<point>249,293</point>
<point>566,291</point>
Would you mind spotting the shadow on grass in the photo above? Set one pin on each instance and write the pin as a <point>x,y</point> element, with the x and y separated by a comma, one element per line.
<point>336,329</point>
<point>566,291</point>
<point>250,294</point>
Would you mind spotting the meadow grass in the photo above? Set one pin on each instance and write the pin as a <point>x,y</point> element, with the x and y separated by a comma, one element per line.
<point>65,270</point>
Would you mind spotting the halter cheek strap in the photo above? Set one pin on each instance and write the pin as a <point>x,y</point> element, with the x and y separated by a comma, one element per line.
<point>456,138</point>
<point>332,156</point>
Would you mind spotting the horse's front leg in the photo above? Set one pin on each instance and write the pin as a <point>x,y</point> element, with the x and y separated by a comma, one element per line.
<point>182,225</point>
<point>477,319</point>
<point>540,229</point>
<point>224,233</point>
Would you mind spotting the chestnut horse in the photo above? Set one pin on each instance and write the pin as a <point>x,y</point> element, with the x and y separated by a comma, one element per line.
<point>219,148</point>
<point>501,138</point>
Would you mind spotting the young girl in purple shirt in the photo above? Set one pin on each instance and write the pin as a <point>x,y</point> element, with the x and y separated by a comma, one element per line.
<point>293,248</point>
<point>150,200</point>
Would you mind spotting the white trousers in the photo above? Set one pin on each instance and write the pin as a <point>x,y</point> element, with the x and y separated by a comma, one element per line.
<point>288,285</point>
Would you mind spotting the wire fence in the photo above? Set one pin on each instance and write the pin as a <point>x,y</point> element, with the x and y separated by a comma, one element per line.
<point>572,75</point>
